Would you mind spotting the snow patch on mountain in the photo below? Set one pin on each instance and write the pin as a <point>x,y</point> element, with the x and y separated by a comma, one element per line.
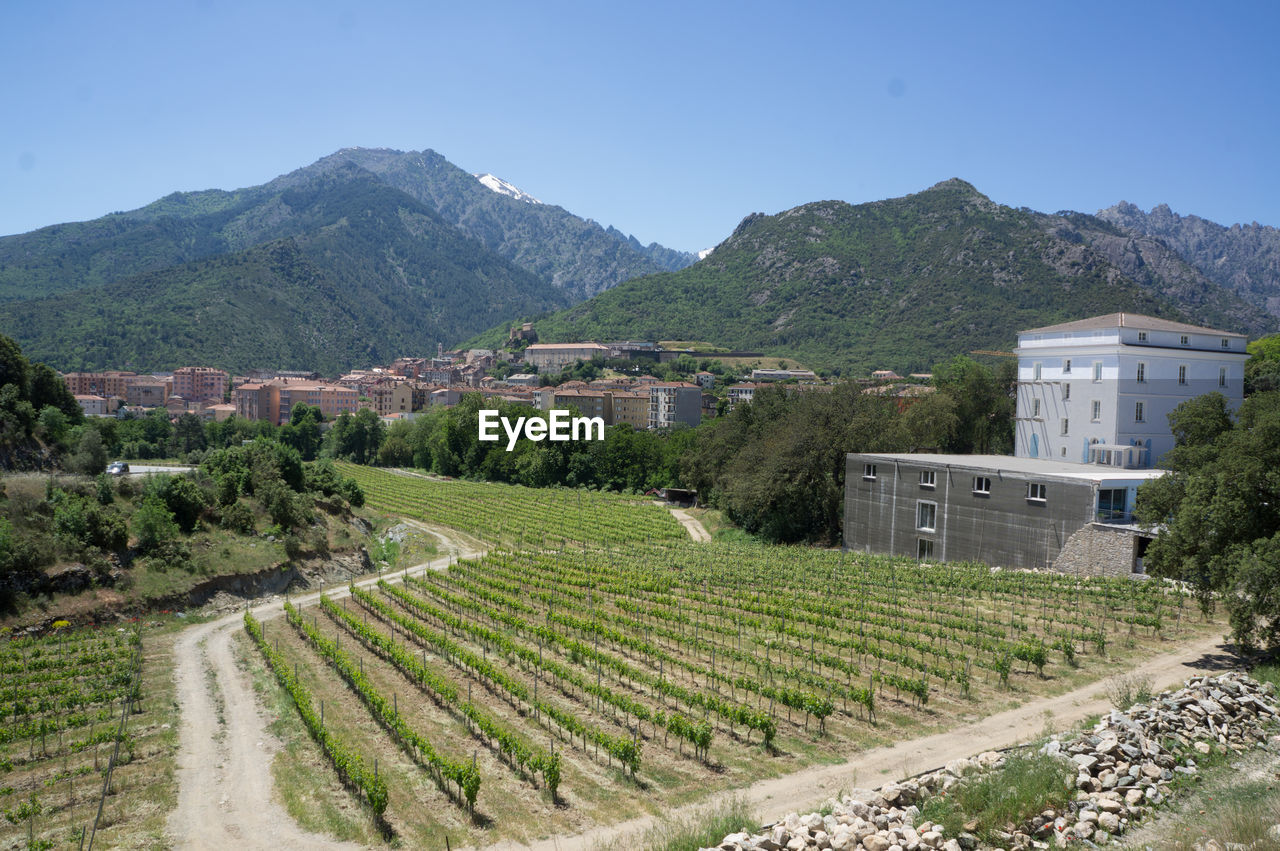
<point>500,186</point>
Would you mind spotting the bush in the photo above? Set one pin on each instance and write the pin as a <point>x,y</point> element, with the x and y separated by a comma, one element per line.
<point>106,493</point>
<point>185,500</point>
<point>237,517</point>
<point>1026,784</point>
<point>153,524</point>
<point>82,523</point>
<point>1127,689</point>
<point>171,554</point>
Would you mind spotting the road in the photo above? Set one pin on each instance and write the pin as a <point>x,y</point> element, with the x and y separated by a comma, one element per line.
<point>225,795</point>
<point>695,529</point>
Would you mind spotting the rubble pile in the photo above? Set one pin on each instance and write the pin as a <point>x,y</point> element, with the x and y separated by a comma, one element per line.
<point>1126,765</point>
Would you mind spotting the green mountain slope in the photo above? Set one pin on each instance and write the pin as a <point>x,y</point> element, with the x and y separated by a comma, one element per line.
<point>365,273</point>
<point>575,254</point>
<point>571,253</point>
<point>1243,258</point>
<point>900,284</point>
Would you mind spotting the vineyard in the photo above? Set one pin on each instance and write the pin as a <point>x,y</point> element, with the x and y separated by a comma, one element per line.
<point>71,720</point>
<point>599,664</point>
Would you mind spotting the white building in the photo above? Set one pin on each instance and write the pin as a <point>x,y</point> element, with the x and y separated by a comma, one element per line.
<point>1101,389</point>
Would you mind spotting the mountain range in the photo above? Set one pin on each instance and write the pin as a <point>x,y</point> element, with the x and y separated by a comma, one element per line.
<point>359,257</point>
<point>905,283</point>
<point>1242,258</point>
<point>368,254</point>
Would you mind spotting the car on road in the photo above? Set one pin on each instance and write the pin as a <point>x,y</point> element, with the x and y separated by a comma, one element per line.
<point>117,468</point>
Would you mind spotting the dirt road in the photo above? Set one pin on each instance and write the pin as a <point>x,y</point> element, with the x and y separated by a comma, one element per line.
<point>805,790</point>
<point>695,529</point>
<point>225,795</point>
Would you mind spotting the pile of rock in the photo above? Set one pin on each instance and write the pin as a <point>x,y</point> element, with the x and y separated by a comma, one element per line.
<point>1127,763</point>
<point>1125,766</point>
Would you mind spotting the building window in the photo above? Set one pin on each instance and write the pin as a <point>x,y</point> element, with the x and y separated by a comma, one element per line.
<point>1066,426</point>
<point>1066,392</point>
<point>1066,366</point>
<point>1222,376</point>
<point>1097,370</point>
<point>1036,492</point>
<point>1139,412</point>
<point>924,549</point>
<point>1142,336</point>
<point>1186,341</point>
<point>928,479</point>
<point>982,484</point>
<point>1035,372</point>
<point>1142,373</point>
<point>869,472</point>
<point>926,516</point>
<point>1095,410</point>
<point>1035,407</point>
<point>1182,373</point>
<point>1226,344</point>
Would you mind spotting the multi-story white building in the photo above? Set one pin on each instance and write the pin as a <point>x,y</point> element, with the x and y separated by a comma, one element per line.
<point>1100,390</point>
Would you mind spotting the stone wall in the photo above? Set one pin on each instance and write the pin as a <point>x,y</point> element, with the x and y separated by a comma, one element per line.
<point>1097,549</point>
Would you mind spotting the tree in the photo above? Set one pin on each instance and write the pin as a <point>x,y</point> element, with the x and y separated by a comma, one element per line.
<point>48,388</point>
<point>153,524</point>
<point>302,432</point>
<point>14,368</point>
<point>1262,371</point>
<point>188,435</point>
<point>90,457</point>
<point>51,425</point>
<point>1218,512</point>
<point>984,405</point>
<point>183,498</point>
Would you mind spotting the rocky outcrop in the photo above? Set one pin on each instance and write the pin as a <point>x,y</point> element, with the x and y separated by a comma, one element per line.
<point>1125,766</point>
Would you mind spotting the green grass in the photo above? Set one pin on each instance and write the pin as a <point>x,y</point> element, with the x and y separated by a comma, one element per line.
<point>1026,784</point>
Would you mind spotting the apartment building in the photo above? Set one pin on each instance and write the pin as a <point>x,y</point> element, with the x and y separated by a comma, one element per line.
<point>673,403</point>
<point>200,383</point>
<point>1100,390</point>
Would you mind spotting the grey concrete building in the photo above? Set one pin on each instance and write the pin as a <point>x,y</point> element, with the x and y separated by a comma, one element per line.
<point>1000,510</point>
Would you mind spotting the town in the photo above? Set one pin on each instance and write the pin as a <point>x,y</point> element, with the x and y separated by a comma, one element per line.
<point>533,375</point>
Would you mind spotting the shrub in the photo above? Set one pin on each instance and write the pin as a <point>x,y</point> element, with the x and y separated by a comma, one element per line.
<point>237,517</point>
<point>1026,784</point>
<point>1127,689</point>
<point>153,524</point>
<point>185,500</point>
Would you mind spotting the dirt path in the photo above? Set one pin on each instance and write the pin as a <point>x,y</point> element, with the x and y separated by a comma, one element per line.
<point>225,793</point>
<point>695,529</point>
<point>805,790</point>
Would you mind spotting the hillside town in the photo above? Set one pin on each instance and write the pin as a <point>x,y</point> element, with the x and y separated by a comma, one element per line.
<point>536,374</point>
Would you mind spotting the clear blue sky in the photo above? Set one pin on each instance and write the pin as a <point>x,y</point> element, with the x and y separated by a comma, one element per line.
<point>670,121</point>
